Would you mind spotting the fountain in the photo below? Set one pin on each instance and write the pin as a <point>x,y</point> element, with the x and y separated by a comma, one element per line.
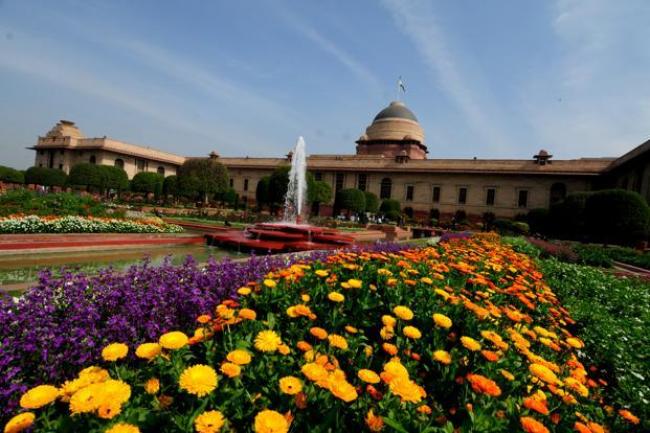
<point>289,234</point>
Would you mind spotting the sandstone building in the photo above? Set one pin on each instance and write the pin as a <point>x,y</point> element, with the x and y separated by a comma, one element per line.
<point>390,161</point>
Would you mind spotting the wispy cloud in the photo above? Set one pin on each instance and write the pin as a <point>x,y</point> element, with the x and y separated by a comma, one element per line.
<point>356,67</point>
<point>418,22</point>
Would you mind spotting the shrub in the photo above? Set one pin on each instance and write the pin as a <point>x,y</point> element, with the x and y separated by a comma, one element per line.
<point>353,200</point>
<point>539,220</point>
<point>45,176</point>
<point>202,177</point>
<point>170,186</point>
<point>262,191</point>
<point>372,202</point>
<point>488,220</point>
<point>567,218</point>
<point>318,191</point>
<point>391,209</point>
<point>11,175</point>
<point>22,201</point>
<point>511,228</point>
<point>148,183</point>
<point>460,216</point>
<point>617,216</point>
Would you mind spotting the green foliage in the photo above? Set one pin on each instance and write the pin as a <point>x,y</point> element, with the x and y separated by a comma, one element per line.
<point>202,177</point>
<point>278,185</point>
<point>11,175</point>
<point>147,183</point>
<point>372,202</point>
<point>617,216</point>
<point>521,245</point>
<point>597,255</point>
<point>511,228</point>
<point>353,200</point>
<point>318,191</point>
<point>99,178</point>
<point>45,176</point>
<point>230,197</point>
<point>391,209</point>
<point>30,203</point>
<point>262,191</point>
<point>170,186</point>
<point>567,218</point>
<point>114,178</point>
<point>613,318</point>
<point>539,220</point>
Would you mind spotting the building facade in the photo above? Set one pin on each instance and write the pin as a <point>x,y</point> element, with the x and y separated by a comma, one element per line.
<point>390,161</point>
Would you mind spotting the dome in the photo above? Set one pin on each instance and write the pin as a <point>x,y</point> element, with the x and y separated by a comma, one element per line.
<point>396,110</point>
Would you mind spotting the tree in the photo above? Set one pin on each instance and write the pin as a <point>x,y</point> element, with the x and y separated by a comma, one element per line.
<point>262,191</point>
<point>87,175</point>
<point>617,215</point>
<point>230,198</point>
<point>278,186</point>
<point>170,186</point>
<point>567,218</point>
<point>352,199</point>
<point>113,178</point>
<point>202,177</point>
<point>391,209</point>
<point>318,191</point>
<point>372,202</point>
<point>45,176</point>
<point>148,183</point>
<point>11,175</point>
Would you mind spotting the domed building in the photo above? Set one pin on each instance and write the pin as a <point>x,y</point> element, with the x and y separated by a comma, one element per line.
<point>391,162</point>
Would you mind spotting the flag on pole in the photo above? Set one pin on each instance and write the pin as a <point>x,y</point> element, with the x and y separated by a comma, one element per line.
<point>401,85</point>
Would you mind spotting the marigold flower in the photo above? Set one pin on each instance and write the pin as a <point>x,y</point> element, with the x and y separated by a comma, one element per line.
<point>109,410</point>
<point>536,404</point>
<point>230,369</point>
<point>442,356</point>
<point>173,340</point>
<point>374,422</point>
<point>531,425</point>
<point>209,422</point>
<point>39,396</point>
<point>412,332</point>
<point>283,349</point>
<point>199,380</point>
<point>505,373</point>
<point>406,389</point>
<point>148,350</point>
<point>244,291</point>
<point>338,341</point>
<point>351,329</point>
<point>425,409</point>
<point>403,312</point>
<point>247,313</point>
<point>267,341</point>
<point>442,321</point>
<point>115,351</point>
<point>239,357</point>
<point>303,346</point>
<point>290,385</point>
<point>388,320</point>
<point>335,297</point>
<point>368,376</point>
<point>123,427</point>
<point>152,386</point>
<point>321,272</point>
<point>270,421</point>
<point>394,369</point>
<point>391,349</point>
<point>490,355</point>
<point>581,428</point>
<point>270,283</point>
<point>314,372</point>
<point>544,373</point>
<point>203,319</point>
<point>20,422</point>
<point>387,332</point>
<point>483,385</point>
<point>319,333</point>
<point>470,344</point>
<point>629,416</point>
<point>342,390</point>
<point>355,284</point>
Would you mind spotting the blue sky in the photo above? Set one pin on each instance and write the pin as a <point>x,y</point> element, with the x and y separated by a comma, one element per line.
<point>497,79</point>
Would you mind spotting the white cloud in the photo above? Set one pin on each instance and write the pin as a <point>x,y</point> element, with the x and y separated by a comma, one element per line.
<point>418,22</point>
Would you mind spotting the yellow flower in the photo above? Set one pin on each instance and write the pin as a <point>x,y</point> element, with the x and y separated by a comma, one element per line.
<point>351,329</point>
<point>209,422</point>
<point>319,333</point>
<point>115,351</point>
<point>231,370</point>
<point>203,319</point>
<point>544,373</point>
<point>406,389</point>
<point>270,421</point>
<point>343,390</point>
<point>92,397</point>
<point>470,344</point>
<point>368,376</point>
<point>270,283</point>
<point>412,332</point>
<point>239,357</point>
<point>20,422</point>
<point>338,341</point>
<point>123,427</point>
<point>314,372</point>
<point>374,422</point>
<point>248,314</point>
<point>284,349</point>
<point>39,396</point>
<point>148,350</point>
<point>403,312</point>
<point>109,410</point>
<point>442,356</point>
<point>505,373</point>
<point>244,291</point>
<point>321,272</point>
<point>394,369</point>
<point>267,341</point>
<point>387,332</point>
<point>388,320</point>
<point>355,284</point>
<point>442,321</point>
<point>152,386</point>
<point>335,297</point>
<point>575,343</point>
<point>305,297</point>
<point>173,340</point>
<point>198,380</point>
<point>290,385</point>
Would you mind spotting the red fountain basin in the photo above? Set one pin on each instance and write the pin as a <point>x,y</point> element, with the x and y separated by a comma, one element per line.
<point>280,237</point>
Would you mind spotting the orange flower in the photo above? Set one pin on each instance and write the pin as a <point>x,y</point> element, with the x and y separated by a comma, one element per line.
<point>374,422</point>
<point>536,404</point>
<point>490,355</point>
<point>319,333</point>
<point>531,425</point>
<point>581,428</point>
<point>628,416</point>
<point>483,385</point>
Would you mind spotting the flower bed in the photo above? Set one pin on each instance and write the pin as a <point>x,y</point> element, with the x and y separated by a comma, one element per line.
<point>465,336</point>
<point>79,224</point>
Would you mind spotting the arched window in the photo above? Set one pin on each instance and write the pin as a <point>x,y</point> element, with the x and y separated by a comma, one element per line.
<point>161,170</point>
<point>558,192</point>
<point>92,159</point>
<point>386,187</point>
<point>119,163</point>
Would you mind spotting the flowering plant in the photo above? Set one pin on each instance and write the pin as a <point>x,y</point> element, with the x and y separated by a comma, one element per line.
<point>464,336</point>
<point>80,224</point>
